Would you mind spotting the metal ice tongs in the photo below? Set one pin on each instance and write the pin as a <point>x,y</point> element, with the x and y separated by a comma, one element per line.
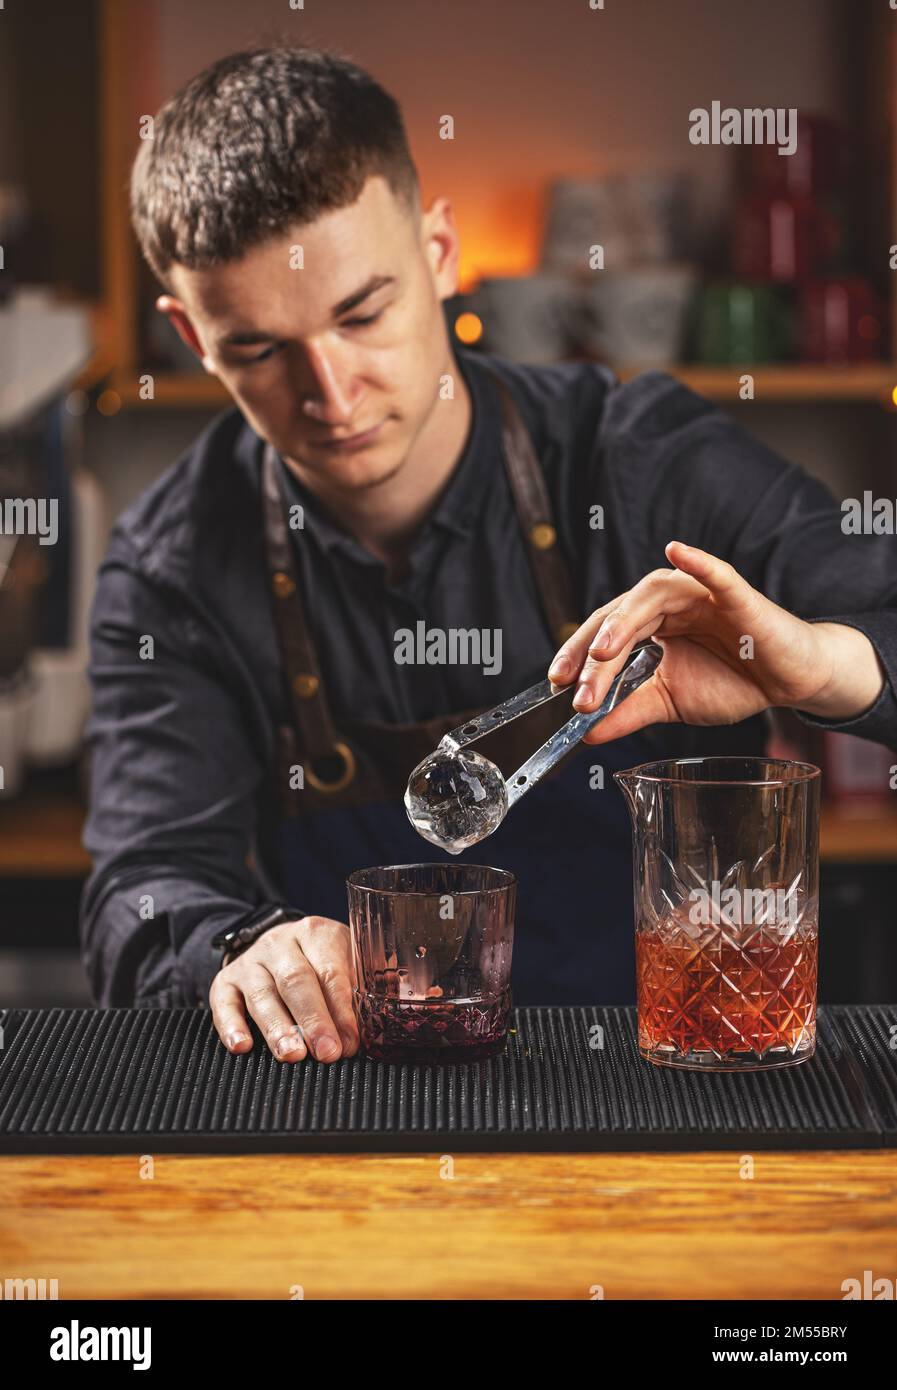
<point>642,664</point>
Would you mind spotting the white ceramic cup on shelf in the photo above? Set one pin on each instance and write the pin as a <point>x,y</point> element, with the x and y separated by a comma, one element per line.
<point>638,317</point>
<point>582,214</point>
<point>638,218</point>
<point>527,318</point>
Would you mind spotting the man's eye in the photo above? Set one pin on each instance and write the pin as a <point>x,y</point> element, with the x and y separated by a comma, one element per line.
<point>260,357</point>
<point>360,322</point>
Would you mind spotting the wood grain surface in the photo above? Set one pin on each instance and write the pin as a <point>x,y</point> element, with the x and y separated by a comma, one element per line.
<point>502,1226</point>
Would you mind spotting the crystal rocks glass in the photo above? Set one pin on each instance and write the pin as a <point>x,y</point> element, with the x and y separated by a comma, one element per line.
<point>726,873</point>
<point>432,949</point>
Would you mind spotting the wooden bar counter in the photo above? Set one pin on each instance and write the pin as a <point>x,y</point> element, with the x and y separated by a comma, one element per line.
<point>480,1226</point>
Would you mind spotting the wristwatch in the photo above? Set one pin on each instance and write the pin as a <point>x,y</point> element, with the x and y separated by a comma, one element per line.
<point>251,926</point>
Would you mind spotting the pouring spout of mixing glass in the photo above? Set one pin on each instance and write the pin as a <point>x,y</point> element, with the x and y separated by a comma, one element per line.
<point>455,797</point>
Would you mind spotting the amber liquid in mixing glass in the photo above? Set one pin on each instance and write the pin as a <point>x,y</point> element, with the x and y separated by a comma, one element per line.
<point>727,999</point>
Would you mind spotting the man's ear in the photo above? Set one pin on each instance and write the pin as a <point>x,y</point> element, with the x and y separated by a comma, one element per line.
<point>177,315</point>
<point>441,246</point>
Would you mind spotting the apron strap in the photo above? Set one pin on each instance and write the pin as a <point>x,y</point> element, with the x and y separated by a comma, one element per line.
<point>316,735</point>
<point>550,571</point>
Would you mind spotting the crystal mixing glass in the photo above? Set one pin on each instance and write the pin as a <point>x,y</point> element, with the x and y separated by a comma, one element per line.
<point>726,874</point>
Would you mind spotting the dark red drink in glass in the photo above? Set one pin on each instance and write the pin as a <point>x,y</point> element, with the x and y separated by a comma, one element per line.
<point>432,950</point>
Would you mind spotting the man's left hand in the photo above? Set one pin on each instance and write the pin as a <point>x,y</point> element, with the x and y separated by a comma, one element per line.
<point>728,653</point>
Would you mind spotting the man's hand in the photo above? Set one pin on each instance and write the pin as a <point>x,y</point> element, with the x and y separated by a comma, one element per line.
<point>728,653</point>
<point>296,982</point>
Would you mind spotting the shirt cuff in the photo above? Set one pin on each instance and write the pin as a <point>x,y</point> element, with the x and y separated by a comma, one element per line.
<point>879,722</point>
<point>197,961</point>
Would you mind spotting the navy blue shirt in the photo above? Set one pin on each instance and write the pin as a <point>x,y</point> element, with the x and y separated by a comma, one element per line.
<point>182,732</point>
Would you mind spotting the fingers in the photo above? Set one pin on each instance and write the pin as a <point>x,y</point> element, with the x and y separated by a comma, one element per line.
<point>728,587</point>
<point>301,1000</point>
<point>327,946</point>
<point>603,643</point>
<point>697,575</point>
<point>249,979</point>
<point>643,610</point>
<point>636,614</point>
<point>567,663</point>
<point>597,674</point>
<point>645,706</point>
<point>300,989</point>
<point>228,1014</point>
<point>282,1012</point>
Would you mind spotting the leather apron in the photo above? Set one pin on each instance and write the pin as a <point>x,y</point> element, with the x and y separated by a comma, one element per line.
<point>340,789</point>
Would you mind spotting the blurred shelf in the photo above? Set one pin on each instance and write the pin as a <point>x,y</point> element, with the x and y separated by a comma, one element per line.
<point>177,390</point>
<point>790,381</point>
<point>40,836</point>
<point>853,837</point>
<point>782,382</point>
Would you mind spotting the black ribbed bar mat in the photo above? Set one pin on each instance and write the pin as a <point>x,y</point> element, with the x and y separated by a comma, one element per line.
<point>869,1038</point>
<point>130,1080</point>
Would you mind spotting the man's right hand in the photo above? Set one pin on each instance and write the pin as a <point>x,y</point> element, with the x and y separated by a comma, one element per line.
<point>297,982</point>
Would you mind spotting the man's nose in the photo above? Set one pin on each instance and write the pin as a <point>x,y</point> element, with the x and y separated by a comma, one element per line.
<point>331,387</point>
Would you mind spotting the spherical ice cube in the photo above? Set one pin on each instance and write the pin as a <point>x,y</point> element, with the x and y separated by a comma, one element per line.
<point>456,798</point>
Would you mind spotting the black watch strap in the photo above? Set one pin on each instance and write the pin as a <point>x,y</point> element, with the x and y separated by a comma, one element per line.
<point>250,927</point>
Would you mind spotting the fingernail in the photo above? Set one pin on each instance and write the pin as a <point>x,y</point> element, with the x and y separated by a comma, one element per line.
<point>233,1039</point>
<point>559,667</point>
<point>287,1044</point>
<point>327,1048</point>
<point>604,639</point>
<point>582,697</point>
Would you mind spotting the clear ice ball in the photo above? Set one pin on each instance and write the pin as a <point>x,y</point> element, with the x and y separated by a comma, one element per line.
<point>455,798</point>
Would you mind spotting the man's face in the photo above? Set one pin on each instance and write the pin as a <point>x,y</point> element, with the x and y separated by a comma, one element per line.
<point>337,363</point>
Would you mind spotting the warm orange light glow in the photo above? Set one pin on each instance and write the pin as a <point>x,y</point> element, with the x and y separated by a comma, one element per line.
<point>468,328</point>
<point>894,395</point>
<point>482,258</point>
<point>109,403</point>
<point>507,241</point>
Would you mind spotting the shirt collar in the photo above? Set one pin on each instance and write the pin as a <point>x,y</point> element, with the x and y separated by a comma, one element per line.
<point>457,509</point>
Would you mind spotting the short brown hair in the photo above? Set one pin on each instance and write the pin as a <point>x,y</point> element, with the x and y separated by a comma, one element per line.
<point>257,142</point>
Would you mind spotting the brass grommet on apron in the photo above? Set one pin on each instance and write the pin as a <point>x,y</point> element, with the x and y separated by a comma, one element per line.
<point>346,776</point>
<point>305,685</point>
<point>282,585</point>
<point>543,536</point>
<point>566,631</point>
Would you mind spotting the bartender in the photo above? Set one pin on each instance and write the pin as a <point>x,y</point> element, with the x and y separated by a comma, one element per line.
<point>258,700</point>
